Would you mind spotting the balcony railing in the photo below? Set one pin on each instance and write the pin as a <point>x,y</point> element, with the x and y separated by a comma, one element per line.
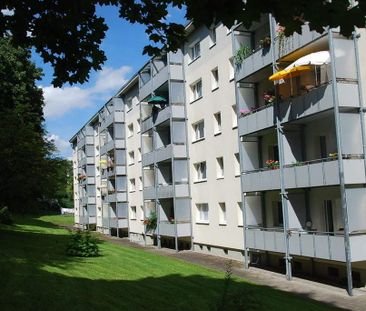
<point>167,228</point>
<point>315,244</point>
<point>313,173</point>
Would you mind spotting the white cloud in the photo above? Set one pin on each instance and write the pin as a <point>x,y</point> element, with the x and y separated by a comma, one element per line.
<point>61,100</point>
<point>61,144</point>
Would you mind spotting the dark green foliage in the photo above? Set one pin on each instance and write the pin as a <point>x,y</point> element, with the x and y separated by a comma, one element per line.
<point>83,244</point>
<point>68,34</point>
<point>5,216</point>
<point>151,222</point>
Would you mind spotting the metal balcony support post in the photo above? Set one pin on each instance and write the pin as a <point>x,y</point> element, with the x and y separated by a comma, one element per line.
<point>347,248</point>
<point>284,199</point>
<point>245,229</point>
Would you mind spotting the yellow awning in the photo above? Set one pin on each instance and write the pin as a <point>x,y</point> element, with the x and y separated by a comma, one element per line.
<point>289,73</point>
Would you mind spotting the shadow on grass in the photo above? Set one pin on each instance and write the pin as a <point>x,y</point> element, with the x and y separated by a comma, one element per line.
<point>27,285</point>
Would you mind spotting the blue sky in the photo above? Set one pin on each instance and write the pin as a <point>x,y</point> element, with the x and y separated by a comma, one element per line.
<point>68,108</point>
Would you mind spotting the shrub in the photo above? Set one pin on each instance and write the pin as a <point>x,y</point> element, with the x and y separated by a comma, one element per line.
<point>5,216</point>
<point>82,244</point>
<point>151,222</point>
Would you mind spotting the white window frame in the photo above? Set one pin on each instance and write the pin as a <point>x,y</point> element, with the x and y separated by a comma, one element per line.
<point>215,79</point>
<point>240,214</point>
<point>195,50</point>
<point>141,184</point>
<point>133,212</point>
<point>129,103</point>
<point>202,213</point>
<point>222,214</point>
<point>196,90</point>
<point>130,129</point>
<point>212,36</point>
<point>220,168</point>
<point>237,164</point>
<point>198,131</point>
<point>234,117</point>
<point>138,128</point>
<point>201,171</point>
<point>139,155</point>
<point>142,214</point>
<point>217,123</point>
<point>231,69</point>
<point>132,184</point>
<point>131,157</point>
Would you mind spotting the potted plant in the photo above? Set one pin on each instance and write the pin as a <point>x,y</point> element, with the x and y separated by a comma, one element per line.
<point>269,97</point>
<point>272,164</point>
<point>265,42</point>
<point>151,222</point>
<point>242,53</point>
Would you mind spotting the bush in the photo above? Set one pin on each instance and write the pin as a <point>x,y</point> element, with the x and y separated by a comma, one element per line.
<point>5,216</point>
<point>82,244</point>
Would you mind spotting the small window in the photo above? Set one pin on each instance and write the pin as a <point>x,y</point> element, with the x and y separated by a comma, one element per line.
<point>195,51</point>
<point>212,36</point>
<point>220,167</point>
<point>130,130</point>
<point>140,186</point>
<point>237,164</point>
<point>215,79</point>
<point>198,130</point>
<point>129,103</point>
<point>138,128</point>
<point>139,154</point>
<point>133,212</point>
<point>142,214</point>
<point>231,69</point>
<point>196,90</point>
<point>217,123</point>
<point>234,116</point>
<point>200,171</point>
<point>202,212</point>
<point>132,185</point>
<point>240,213</point>
<point>131,157</point>
<point>222,213</point>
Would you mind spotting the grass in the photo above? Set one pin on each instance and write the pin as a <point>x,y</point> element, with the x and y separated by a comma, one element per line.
<point>36,274</point>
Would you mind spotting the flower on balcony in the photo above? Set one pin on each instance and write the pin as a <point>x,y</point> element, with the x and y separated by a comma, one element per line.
<point>82,177</point>
<point>272,164</point>
<point>265,42</point>
<point>269,97</point>
<point>280,29</point>
<point>151,222</point>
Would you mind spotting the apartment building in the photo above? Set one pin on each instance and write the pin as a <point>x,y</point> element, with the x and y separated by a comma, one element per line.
<point>244,144</point>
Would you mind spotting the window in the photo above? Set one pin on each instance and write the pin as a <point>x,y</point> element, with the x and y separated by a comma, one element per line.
<point>132,185</point>
<point>212,36</point>
<point>231,69</point>
<point>195,51</point>
<point>139,154</point>
<point>220,167</point>
<point>196,90</point>
<point>140,187</point>
<point>131,157</point>
<point>130,130</point>
<point>133,212</point>
<point>200,171</point>
<point>240,214</point>
<point>129,103</point>
<point>217,123</point>
<point>202,212</point>
<point>277,214</point>
<point>199,130</point>
<point>234,116</point>
<point>215,79</point>
<point>222,213</point>
<point>142,214</point>
<point>138,126</point>
<point>237,164</point>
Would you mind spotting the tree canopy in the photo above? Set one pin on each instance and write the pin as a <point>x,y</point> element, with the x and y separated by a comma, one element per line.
<point>68,34</point>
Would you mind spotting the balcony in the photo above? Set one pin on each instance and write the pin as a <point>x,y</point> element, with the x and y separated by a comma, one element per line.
<point>285,46</point>
<point>322,245</point>
<point>162,115</point>
<point>322,172</point>
<point>116,197</point>
<point>165,153</point>
<point>107,147</point>
<point>167,228</point>
<point>317,100</point>
<point>87,219</point>
<point>155,82</point>
<point>120,223</point>
<point>166,191</point>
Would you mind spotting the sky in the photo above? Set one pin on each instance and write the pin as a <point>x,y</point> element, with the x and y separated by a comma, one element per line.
<point>68,108</point>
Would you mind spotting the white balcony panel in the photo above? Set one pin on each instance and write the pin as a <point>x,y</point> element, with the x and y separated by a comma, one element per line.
<point>120,170</point>
<point>256,121</point>
<point>149,193</point>
<point>89,140</point>
<point>119,116</point>
<point>168,229</point>
<point>165,191</point>
<point>148,158</point>
<point>354,171</point>
<point>182,190</point>
<point>90,160</point>
<point>121,196</point>
<point>120,144</point>
<point>145,90</point>
<point>123,223</point>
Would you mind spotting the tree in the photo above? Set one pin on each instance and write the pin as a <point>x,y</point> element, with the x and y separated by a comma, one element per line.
<point>67,34</point>
<point>26,174</point>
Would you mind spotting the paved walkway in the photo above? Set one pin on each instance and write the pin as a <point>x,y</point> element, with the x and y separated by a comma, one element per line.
<point>332,295</point>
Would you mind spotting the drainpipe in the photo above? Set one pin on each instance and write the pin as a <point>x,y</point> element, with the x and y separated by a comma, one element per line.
<point>340,165</point>
<point>356,36</point>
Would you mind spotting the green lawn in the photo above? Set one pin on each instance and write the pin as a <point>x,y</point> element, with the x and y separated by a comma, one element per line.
<point>35,274</point>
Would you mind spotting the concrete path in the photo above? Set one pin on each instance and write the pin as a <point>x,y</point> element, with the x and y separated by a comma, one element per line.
<point>328,294</point>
